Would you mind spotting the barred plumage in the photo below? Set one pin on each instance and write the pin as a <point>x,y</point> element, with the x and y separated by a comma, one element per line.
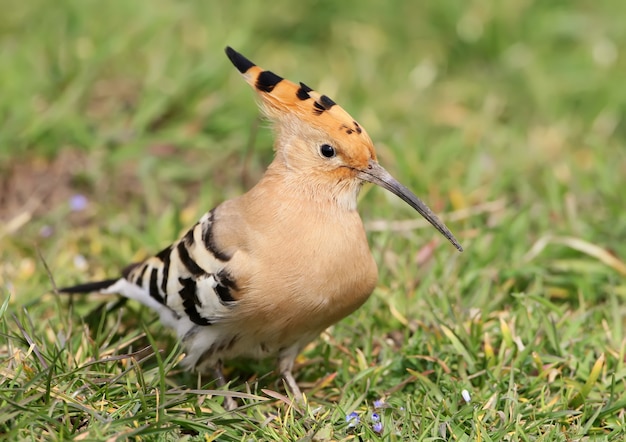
<point>263,274</point>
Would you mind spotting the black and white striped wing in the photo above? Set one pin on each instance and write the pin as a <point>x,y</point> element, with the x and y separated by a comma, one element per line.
<point>189,277</point>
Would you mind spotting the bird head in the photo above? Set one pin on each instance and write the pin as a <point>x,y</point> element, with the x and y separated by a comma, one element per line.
<point>318,138</point>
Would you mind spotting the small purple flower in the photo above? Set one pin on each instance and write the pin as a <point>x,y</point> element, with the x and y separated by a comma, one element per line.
<point>46,231</point>
<point>379,403</point>
<point>353,419</point>
<point>78,202</point>
<point>375,417</point>
<point>378,427</point>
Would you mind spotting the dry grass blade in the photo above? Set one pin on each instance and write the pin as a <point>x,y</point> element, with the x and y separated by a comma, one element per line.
<point>283,398</point>
<point>30,341</point>
<point>457,215</point>
<point>224,393</point>
<point>15,223</point>
<point>580,245</point>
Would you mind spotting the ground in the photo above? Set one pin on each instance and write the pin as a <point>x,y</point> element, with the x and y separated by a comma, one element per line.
<point>123,122</point>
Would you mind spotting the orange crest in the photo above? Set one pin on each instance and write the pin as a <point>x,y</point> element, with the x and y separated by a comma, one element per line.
<point>281,97</point>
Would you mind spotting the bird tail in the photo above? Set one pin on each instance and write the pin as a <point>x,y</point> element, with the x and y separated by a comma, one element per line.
<point>89,287</point>
<point>129,290</point>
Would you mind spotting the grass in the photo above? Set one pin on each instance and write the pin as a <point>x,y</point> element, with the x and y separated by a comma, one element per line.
<point>507,118</point>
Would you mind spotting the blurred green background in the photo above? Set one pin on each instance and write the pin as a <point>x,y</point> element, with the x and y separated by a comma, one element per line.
<point>122,122</point>
<point>136,107</point>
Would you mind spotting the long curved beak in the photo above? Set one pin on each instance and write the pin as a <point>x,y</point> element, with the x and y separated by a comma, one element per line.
<point>376,174</point>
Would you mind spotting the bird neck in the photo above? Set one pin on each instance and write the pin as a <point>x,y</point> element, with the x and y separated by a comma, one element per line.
<point>310,186</point>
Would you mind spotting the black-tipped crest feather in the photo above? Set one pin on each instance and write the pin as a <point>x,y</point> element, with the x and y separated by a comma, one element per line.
<point>240,62</point>
<point>267,80</point>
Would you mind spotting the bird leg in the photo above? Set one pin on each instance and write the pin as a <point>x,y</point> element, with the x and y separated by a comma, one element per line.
<point>285,365</point>
<point>229,403</point>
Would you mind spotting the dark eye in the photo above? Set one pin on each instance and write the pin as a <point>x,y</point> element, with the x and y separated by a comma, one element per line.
<point>327,150</point>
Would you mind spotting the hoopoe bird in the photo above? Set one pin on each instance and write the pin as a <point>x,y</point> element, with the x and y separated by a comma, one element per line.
<point>263,274</point>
